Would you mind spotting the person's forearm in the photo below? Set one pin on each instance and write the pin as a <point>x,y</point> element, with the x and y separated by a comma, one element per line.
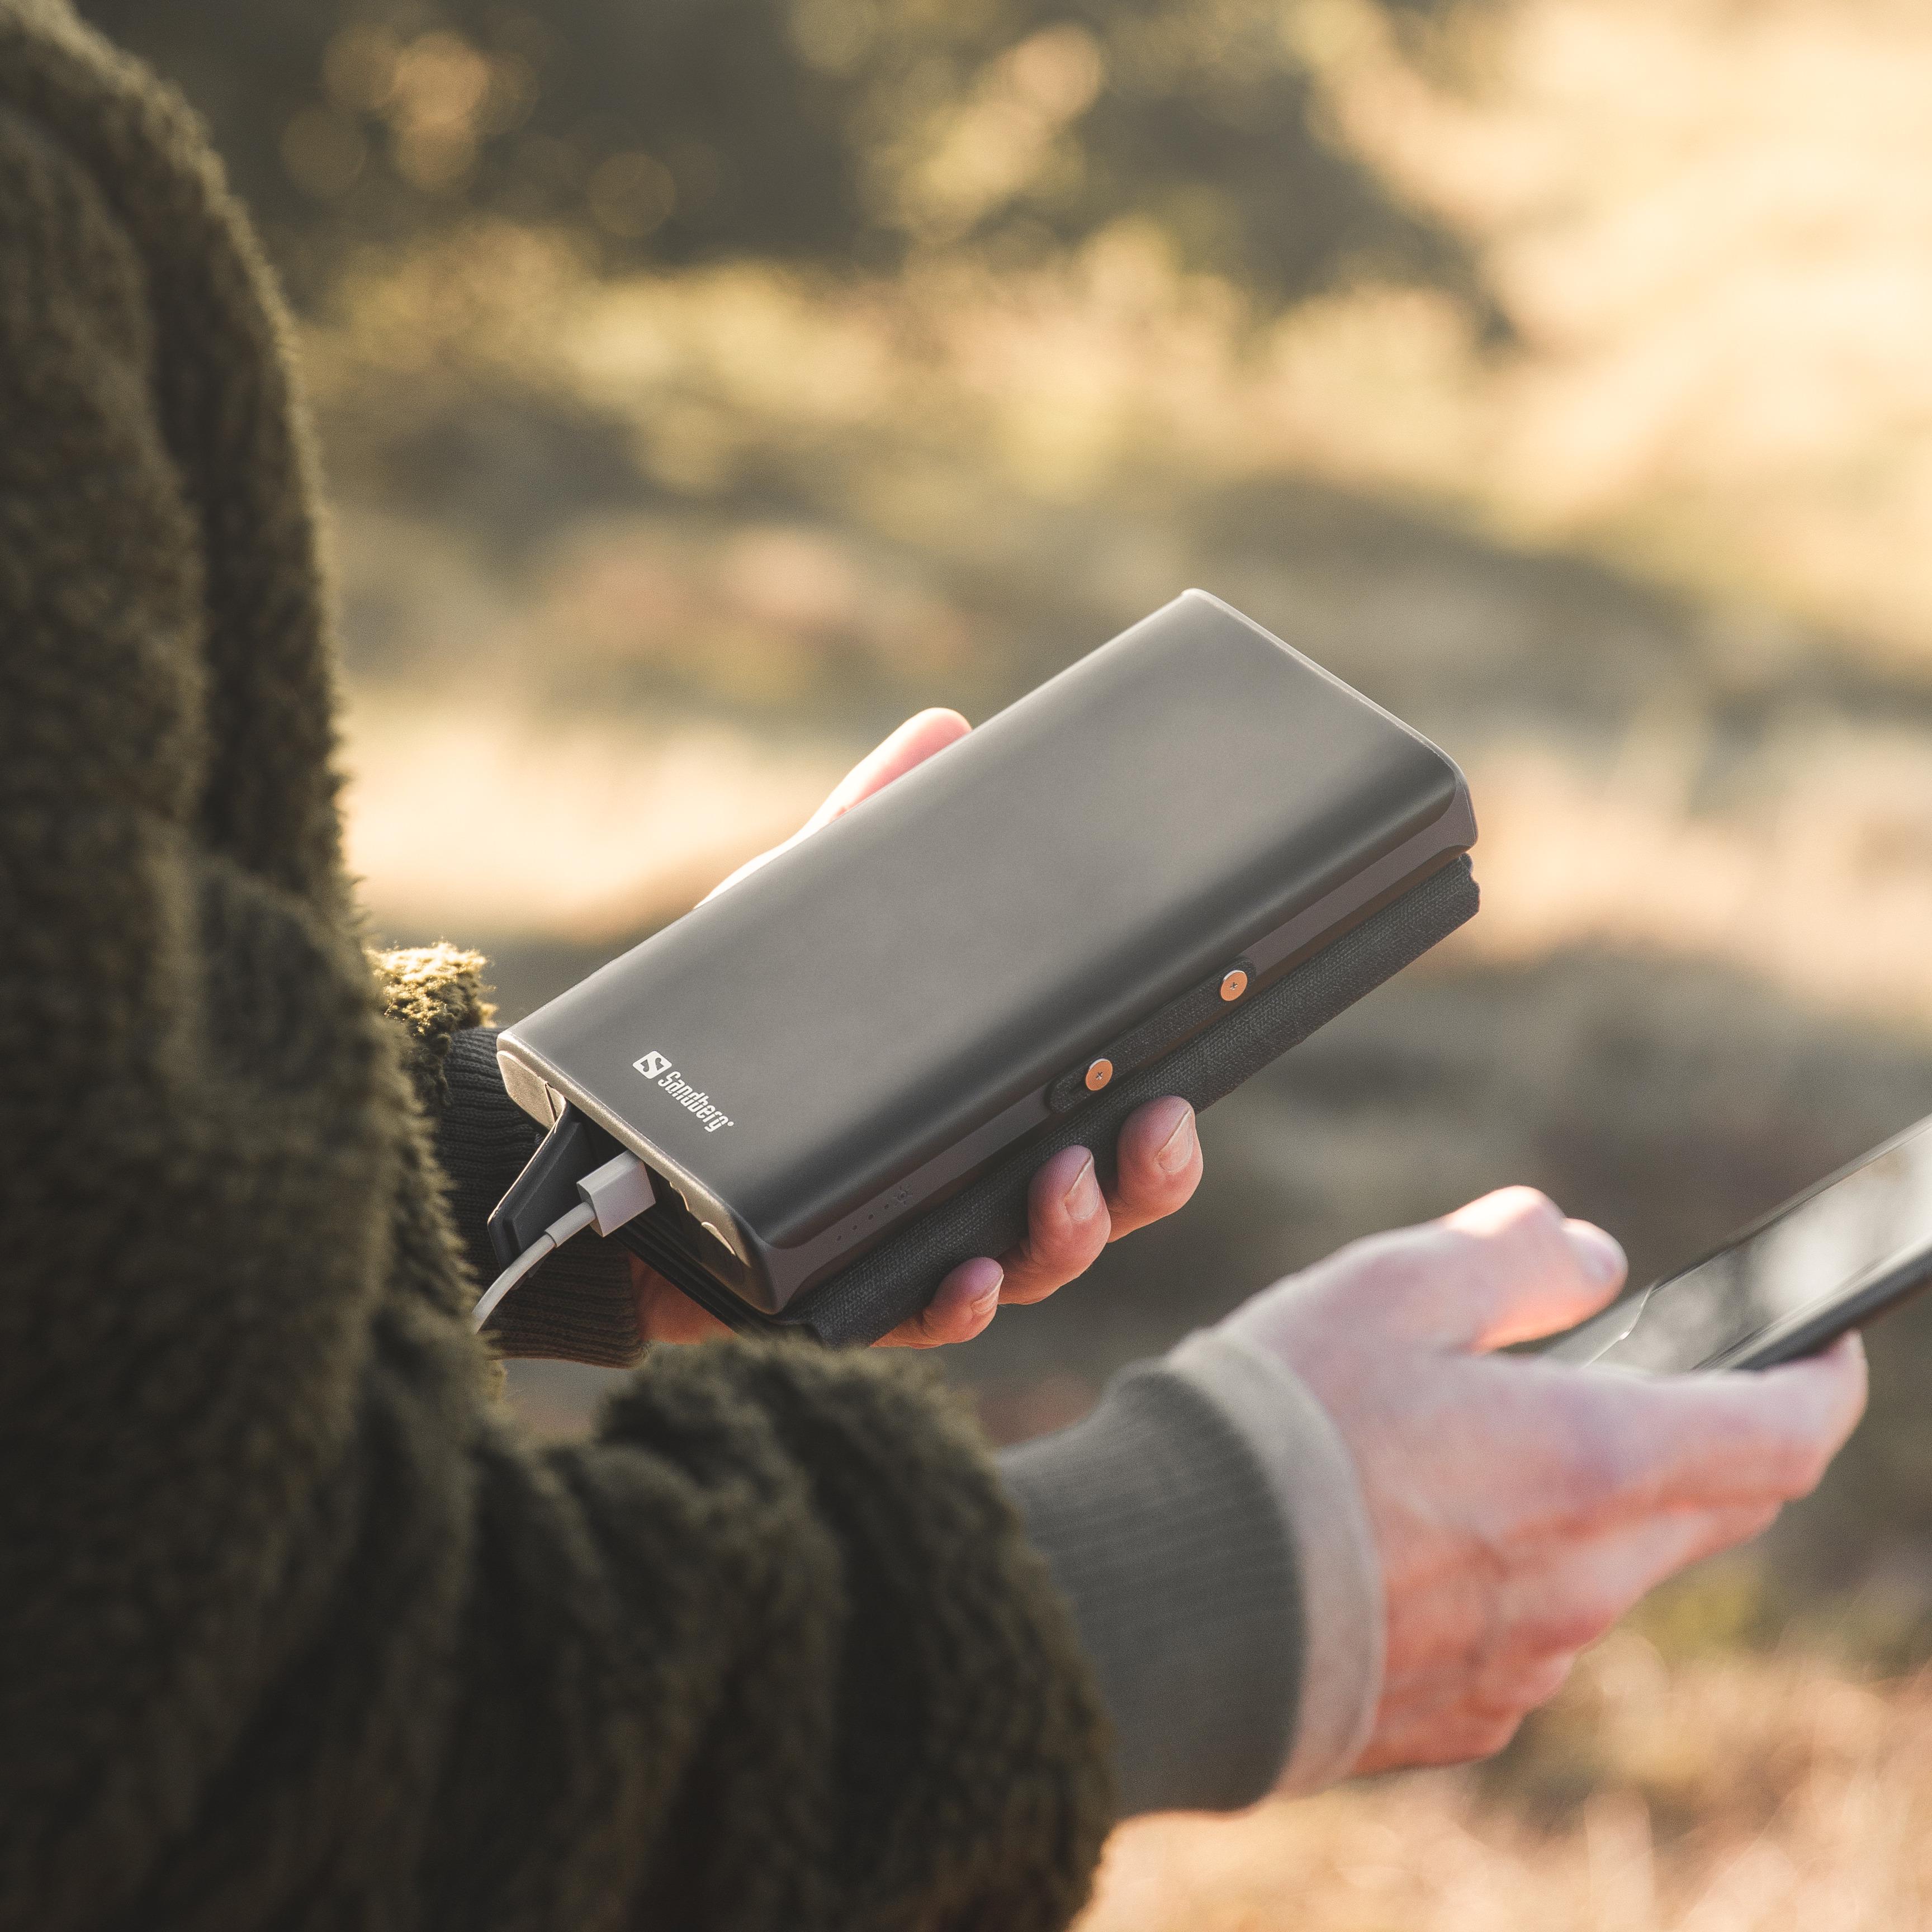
<point>298,1626</point>
<point>1205,1525</point>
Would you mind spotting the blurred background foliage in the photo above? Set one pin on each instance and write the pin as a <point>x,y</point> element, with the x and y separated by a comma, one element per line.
<point>705,388</point>
<point>835,132</point>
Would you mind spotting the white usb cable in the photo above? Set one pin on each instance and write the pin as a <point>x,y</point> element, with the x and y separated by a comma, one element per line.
<point>608,1196</point>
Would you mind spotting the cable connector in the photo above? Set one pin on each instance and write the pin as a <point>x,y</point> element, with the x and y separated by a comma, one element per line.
<point>618,1191</point>
<point>607,1198</point>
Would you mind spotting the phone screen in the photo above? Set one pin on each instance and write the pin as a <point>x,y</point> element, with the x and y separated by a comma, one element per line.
<point>1827,1261</point>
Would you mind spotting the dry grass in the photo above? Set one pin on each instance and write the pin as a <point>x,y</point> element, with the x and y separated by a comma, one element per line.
<point>1716,1794</point>
<point>583,828</point>
<point>1816,874</point>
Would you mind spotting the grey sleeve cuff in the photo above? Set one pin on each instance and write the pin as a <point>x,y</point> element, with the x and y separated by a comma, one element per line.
<point>1206,1526</point>
<point>1319,1499</point>
<point>1161,1528</point>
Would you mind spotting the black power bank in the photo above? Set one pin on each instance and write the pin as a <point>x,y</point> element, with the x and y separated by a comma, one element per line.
<point>1153,874</point>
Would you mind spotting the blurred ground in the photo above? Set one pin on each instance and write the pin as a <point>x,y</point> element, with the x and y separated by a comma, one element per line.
<point>1724,1794</point>
<point>1554,370</point>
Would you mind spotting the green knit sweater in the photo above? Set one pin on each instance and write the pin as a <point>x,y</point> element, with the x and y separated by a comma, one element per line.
<point>295,1629</point>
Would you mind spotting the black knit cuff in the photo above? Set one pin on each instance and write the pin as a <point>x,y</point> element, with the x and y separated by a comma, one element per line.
<point>581,1304</point>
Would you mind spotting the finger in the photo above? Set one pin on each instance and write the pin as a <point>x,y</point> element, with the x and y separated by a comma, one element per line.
<point>1504,1697</point>
<point>667,1314</point>
<point>1441,1704</point>
<point>1564,1603</point>
<point>1448,1694</point>
<point>1158,1163</point>
<point>1735,1438</point>
<point>1419,1725</point>
<point>912,744</point>
<point>1066,1227</point>
<point>1527,1269</point>
<point>968,1298</point>
<point>1502,1270</point>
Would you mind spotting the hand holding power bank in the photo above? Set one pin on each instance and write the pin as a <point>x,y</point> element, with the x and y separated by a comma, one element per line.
<point>1151,875</point>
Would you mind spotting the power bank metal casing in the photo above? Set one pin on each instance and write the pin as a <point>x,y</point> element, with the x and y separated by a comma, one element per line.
<point>858,1029</point>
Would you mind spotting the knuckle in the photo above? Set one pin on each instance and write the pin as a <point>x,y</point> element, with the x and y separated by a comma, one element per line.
<point>1536,1241</point>
<point>1064,1248</point>
<point>945,1318</point>
<point>1174,1192</point>
<point>1508,1214</point>
<point>1528,1230</point>
<point>1531,1205</point>
<point>1147,1189</point>
<point>1029,1282</point>
<point>1055,1246</point>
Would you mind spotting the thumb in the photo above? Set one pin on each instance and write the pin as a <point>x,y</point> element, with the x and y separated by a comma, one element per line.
<point>1513,1267</point>
<point>912,744</point>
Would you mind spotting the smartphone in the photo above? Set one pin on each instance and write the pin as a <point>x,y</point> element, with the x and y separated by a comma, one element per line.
<point>1839,1255</point>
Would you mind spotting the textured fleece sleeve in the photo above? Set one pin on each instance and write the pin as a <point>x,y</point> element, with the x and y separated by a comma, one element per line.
<point>295,1630</point>
<point>1206,1524</point>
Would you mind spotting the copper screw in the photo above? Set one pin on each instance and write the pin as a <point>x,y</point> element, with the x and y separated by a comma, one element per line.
<point>1098,1074</point>
<point>1235,985</point>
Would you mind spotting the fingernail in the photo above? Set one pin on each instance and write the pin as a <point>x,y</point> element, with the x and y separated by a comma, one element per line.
<point>1082,1199</point>
<point>988,1297</point>
<point>1178,1149</point>
<point>1598,1254</point>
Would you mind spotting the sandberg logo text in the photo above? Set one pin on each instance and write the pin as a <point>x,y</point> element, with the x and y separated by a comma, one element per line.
<point>658,1070</point>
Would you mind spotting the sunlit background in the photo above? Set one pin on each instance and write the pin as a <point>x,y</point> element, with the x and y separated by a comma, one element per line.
<point>703,389</point>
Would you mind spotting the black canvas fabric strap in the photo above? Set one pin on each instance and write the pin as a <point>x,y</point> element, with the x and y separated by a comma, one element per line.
<point>897,1278</point>
<point>1200,1006</point>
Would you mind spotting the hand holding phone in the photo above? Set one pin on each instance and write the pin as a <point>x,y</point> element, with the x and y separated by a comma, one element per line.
<point>1518,1509</point>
